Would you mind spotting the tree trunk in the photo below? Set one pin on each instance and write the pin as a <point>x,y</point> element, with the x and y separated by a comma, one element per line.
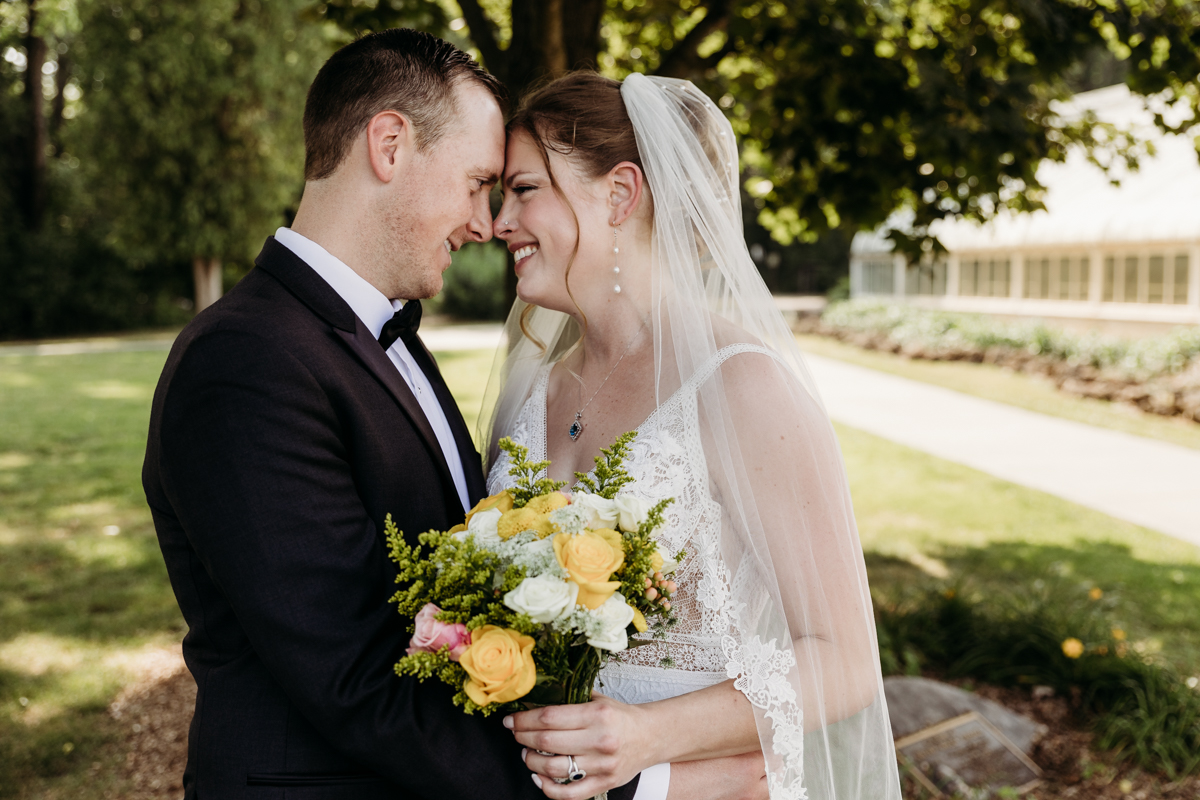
<point>581,33</point>
<point>206,272</point>
<point>33,200</point>
<point>59,105</point>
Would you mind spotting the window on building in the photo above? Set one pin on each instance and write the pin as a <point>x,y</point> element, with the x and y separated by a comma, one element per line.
<point>925,279</point>
<point>1152,278</point>
<point>1037,278</point>
<point>1179,281</point>
<point>878,276</point>
<point>1061,278</point>
<point>984,278</point>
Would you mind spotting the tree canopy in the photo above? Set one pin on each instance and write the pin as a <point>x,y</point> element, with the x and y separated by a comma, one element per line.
<point>140,136</point>
<point>850,109</point>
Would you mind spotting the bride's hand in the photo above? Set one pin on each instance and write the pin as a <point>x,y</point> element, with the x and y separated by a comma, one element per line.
<point>741,777</point>
<point>610,741</point>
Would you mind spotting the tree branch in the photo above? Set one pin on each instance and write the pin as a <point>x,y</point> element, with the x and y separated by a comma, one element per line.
<point>683,60</point>
<point>484,38</point>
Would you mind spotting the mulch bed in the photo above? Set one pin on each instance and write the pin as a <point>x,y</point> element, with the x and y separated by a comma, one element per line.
<point>157,709</point>
<point>1071,768</point>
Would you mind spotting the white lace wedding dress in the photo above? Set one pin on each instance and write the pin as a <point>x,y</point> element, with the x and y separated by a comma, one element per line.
<point>666,460</point>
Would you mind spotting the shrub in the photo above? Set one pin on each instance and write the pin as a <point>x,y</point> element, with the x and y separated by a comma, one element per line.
<point>1053,635</point>
<point>906,325</point>
<point>474,284</point>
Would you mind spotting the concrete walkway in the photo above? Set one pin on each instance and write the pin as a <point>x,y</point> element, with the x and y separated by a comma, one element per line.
<point>1144,481</point>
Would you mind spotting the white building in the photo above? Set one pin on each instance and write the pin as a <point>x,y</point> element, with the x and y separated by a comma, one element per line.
<point>1127,254</point>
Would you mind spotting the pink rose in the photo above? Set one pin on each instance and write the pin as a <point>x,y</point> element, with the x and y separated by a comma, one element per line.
<point>432,635</point>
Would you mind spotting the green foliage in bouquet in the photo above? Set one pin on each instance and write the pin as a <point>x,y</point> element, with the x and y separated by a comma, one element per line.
<point>461,577</point>
<point>525,472</point>
<point>610,469</point>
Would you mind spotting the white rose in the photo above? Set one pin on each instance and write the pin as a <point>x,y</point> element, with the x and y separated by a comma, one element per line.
<point>543,598</point>
<point>631,512</point>
<point>602,511</point>
<point>669,566</point>
<point>483,528</point>
<point>614,616</point>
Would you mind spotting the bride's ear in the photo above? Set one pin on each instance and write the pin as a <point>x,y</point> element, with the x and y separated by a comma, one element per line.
<point>625,189</point>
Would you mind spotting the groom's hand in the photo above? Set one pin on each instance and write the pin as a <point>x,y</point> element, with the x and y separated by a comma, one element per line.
<point>611,742</point>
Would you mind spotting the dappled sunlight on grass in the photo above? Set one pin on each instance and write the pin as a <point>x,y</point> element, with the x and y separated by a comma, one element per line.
<point>83,592</point>
<point>85,602</point>
<point>115,390</point>
<point>914,509</point>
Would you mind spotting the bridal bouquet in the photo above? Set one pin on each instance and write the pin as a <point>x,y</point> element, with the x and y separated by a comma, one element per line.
<point>526,599</point>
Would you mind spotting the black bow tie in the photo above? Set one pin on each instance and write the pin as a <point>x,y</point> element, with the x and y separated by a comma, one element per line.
<point>403,325</point>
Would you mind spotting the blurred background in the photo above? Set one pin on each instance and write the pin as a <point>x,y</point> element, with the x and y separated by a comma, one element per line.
<point>981,216</point>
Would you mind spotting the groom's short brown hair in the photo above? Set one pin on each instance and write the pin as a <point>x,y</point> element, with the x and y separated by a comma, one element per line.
<point>399,69</point>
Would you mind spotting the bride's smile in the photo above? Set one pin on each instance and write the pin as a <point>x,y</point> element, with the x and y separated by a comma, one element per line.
<point>559,225</point>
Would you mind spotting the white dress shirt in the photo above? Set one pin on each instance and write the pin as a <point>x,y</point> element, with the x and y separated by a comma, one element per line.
<point>374,309</point>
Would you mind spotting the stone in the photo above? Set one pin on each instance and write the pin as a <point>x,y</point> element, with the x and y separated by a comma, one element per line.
<point>918,703</point>
<point>968,757</point>
<point>959,742</point>
<point>1161,401</point>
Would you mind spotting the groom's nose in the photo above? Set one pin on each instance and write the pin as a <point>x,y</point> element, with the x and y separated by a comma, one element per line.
<point>479,229</point>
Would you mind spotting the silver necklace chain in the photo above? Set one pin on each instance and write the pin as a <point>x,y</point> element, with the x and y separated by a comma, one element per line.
<point>577,426</point>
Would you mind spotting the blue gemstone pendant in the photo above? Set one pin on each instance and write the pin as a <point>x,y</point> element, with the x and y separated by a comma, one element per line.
<point>576,427</point>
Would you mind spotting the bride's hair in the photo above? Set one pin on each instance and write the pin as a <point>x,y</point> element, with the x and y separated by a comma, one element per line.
<point>582,117</point>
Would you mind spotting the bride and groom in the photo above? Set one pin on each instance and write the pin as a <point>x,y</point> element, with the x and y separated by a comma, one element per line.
<point>300,410</point>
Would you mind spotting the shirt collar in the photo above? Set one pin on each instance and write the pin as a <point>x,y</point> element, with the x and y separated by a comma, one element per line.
<point>368,303</point>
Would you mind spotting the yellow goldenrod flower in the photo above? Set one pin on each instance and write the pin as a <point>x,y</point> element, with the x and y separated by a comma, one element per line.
<point>1072,648</point>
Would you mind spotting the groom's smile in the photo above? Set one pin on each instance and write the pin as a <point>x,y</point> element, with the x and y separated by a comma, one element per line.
<point>443,203</point>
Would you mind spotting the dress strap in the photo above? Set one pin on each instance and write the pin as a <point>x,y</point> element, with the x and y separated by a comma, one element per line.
<point>718,358</point>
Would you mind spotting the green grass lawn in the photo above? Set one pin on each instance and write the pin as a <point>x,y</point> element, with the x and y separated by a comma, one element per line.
<point>79,600</point>
<point>1017,389</point>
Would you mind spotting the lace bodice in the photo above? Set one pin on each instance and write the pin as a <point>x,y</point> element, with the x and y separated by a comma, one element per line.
<point>666,460</point>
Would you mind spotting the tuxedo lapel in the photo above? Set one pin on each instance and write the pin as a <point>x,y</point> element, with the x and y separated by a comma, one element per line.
<point>311,289</point>
<point>373,357</point>
<point>467,454</point>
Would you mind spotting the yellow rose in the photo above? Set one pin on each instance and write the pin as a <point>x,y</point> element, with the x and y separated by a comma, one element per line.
<point>500,663</point>
<point>639,621</point>
<point>656,561</point>
<point>547,502</point>
<point>590,558</point>
<point>502,501</point>
<point>457,529</point>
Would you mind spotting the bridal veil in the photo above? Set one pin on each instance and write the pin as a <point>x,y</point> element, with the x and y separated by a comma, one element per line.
<point>791,578</point>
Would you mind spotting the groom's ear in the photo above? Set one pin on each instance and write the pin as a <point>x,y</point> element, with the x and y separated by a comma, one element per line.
<point>625,182</point>
<point>390,141</point>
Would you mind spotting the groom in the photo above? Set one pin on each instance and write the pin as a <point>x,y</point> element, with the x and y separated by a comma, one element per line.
<point>300,410</point>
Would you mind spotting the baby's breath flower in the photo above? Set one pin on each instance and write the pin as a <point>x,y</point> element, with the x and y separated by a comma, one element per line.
<point>570,519</point>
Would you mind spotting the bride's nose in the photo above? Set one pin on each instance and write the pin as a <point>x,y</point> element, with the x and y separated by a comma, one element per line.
<point>503,227</point>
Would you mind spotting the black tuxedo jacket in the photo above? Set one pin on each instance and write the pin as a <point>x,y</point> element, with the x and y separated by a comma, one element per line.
<point>281,435</point>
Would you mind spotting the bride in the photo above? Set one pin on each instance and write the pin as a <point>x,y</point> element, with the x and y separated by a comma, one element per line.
<point>640,309</point>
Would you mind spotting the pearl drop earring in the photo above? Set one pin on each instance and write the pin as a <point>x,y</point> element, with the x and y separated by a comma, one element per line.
<point>616,267</point>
